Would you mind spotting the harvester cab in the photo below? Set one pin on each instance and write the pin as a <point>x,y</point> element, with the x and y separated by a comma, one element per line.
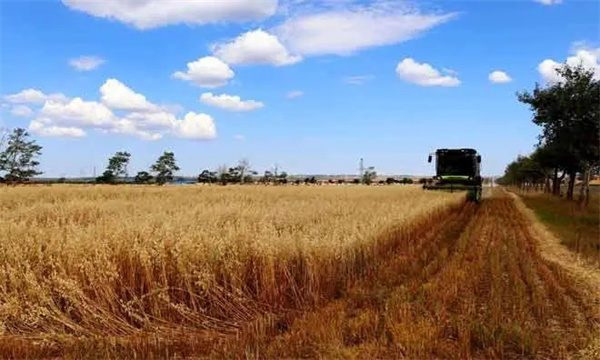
<point>457,170</point>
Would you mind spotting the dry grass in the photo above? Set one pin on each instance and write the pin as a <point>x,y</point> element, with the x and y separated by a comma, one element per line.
<point>479,289</point>
<point>102,263</point>
<point>285,272</point>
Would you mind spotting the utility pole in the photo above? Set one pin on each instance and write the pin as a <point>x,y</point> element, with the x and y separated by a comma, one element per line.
<point>361,168</point>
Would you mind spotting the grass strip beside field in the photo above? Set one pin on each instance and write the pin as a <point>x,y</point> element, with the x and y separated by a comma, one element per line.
<point>577,227</point>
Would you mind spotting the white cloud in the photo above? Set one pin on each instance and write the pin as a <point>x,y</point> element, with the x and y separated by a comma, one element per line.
<point>21,111</point>
<point>230,102</point>
<point>131,127</point>
<point>346,30</point>
<point>86,63</point>
<point>196,126</point>
<point>548,2</point>
<point>147,14</point>
<point>358,79</point>
<point>39,127</point>
<point>34,96</point>
<point>424,74</point>
<point>78,112</point>
<point>255,47</point>
<point>294,94</point>
<point>117,95</point>
<point>499,77</point>
<point>208,72</point>
<point>589,58</point>
<point>155,120</point>
<point>142,119</point>
<point>239,137</point>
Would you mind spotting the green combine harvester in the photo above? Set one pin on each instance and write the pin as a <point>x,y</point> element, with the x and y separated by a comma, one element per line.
<point>457,170</point>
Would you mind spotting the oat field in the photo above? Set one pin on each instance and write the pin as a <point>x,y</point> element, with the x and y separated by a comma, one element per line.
<point>272,272</point>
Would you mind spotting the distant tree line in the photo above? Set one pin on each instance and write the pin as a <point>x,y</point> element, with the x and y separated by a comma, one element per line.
<point>568,112</point>
<point>18,162</point>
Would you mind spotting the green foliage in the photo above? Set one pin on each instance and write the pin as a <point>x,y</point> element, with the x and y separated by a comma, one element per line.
<point>143,177</point>
<point>165,166</point>
<point>108,177</point>
<point>310,180</point>
<point>369,175</point>
<point>568,113</point>
<point>117,164</point>
<point>18,159</point>
<point>208,177</point>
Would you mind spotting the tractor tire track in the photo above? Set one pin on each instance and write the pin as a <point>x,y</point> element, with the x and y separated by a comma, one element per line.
<point>475,287</point>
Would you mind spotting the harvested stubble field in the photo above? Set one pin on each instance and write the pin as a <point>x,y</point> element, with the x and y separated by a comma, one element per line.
<point>283,272</point>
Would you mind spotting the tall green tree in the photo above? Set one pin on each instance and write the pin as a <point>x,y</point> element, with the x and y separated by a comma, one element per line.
<point>165,166</point>
<point>369,175</point>
<point>117,164</point>
<point>568,112</point>
<point>18,157</point>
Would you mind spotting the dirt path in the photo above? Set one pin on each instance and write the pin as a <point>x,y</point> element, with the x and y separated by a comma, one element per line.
<point>483,287</point>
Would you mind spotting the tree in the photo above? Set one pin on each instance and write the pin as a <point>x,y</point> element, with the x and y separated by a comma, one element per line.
<point>207,177</point>
<point>142,177</point>
<point>106,178</point>
<point>117,164</point>
<point>568,113</point>
<point>267,178</point>
<point>243,168</point>
<point>282,178</point>
<point>369,175</point>
<point>222,174</point>
<point>390,181</point>
<point>234,175</point>
<point>17,158</point>
<point>165,166</point>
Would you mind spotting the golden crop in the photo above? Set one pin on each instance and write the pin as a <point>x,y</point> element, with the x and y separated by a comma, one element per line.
<point>110,260</point>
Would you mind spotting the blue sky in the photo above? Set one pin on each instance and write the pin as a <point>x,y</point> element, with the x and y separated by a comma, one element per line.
<point>309,85</point>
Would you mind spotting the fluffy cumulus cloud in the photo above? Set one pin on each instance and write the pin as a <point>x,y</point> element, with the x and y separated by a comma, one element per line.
<point>196,126</point>
<point>349,28</point>
<point>208,72</point>
<point>77,112</point>
<point>117,95</point>
<point>86,63</point>
<point>34,96</point>
<point>589,58</point>
<point>499,77</point>
<point>21,111</point>
<point>424,74</point>
<point>294,94</point>
<point>41,128</point>
<point>147,14</point>
<point>255,47</point>
<point>63,117</point>
<point>230,102</point>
